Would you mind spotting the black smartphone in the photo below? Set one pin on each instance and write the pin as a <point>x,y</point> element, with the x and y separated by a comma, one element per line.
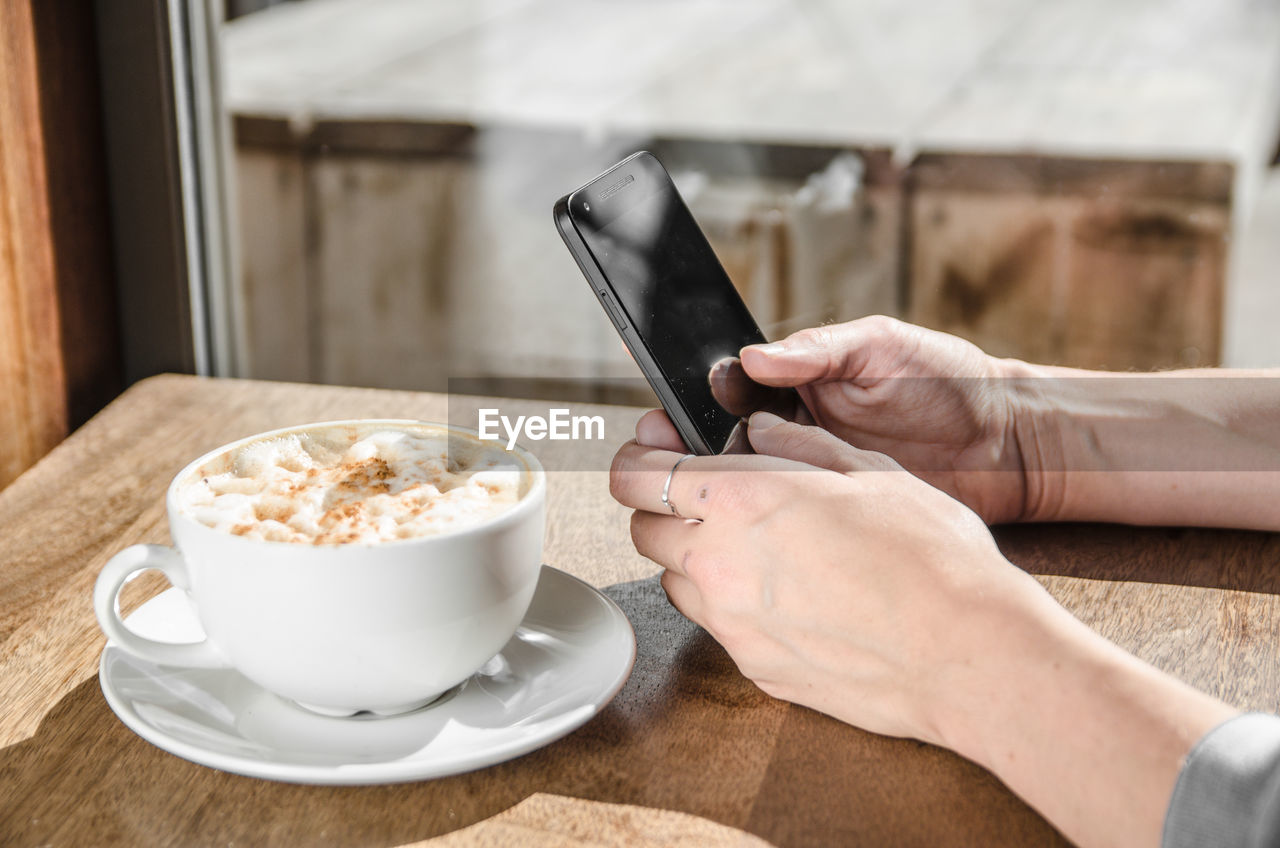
<point>676,309</point>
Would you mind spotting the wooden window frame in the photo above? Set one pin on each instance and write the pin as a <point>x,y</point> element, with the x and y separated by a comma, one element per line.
<point>113,247</point>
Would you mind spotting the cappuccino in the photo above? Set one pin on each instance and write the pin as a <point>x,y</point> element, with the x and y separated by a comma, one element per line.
<point>351,484</point>
<point>347,565</point>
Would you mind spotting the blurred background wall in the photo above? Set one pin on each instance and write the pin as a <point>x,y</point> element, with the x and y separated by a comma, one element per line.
<point>1069,183</point>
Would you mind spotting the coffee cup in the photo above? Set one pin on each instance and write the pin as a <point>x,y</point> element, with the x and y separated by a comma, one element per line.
<point>368,617</point>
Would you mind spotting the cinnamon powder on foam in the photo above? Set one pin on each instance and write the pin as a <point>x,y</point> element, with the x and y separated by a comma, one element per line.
<point>344,486</point>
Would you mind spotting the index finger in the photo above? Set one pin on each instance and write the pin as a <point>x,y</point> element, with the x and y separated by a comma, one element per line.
<point>654,429</point>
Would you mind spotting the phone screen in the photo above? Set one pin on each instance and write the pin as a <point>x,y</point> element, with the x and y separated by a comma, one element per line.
<point>671,287</point>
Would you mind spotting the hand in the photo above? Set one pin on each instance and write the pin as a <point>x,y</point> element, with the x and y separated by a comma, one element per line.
<point>836,580</point>
<point>938,405</point>
<point>832,577</point>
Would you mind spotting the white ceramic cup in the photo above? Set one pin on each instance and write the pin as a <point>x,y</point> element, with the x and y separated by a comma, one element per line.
<point>382,627</point>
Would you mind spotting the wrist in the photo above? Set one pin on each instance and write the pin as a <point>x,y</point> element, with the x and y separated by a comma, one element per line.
<point>1004,645</point>
<point>1089,735</point>
<point>1035,432</point>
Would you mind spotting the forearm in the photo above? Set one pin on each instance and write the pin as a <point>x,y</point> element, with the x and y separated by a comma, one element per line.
<point>1175,448</point>
<point>1088,735</point>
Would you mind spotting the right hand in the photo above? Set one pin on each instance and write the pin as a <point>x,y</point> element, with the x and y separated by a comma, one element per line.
<point>935,403</point>
<point>834,578</point>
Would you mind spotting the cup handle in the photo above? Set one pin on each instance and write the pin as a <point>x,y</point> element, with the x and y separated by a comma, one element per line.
<point>106,593</point>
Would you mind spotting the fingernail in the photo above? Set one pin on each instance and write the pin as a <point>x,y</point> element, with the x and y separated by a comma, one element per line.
<point>764,420</point>
<point>770,349</point>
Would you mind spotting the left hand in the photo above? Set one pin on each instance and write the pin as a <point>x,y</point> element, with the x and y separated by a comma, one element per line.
<point>833,578</point>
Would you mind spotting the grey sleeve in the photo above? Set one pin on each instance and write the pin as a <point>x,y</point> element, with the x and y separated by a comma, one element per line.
<point>1228,792</point>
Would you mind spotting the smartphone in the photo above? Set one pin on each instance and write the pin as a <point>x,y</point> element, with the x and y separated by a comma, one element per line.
<point>676,309</point>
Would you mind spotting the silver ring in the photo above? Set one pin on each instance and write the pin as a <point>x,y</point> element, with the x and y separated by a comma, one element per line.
<point>666,487</point>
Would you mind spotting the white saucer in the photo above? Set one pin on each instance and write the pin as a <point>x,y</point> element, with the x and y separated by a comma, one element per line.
<point>571,655</point>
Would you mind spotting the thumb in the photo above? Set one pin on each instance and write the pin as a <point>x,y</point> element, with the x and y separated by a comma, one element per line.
<point>790,362</point>
<point>778,437</point>
<point>834,352</point>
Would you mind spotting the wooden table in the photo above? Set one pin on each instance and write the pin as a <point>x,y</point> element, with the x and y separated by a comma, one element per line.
<point>688,751</point>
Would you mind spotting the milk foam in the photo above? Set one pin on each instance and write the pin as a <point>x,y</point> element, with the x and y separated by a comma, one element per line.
<point>345,485</point>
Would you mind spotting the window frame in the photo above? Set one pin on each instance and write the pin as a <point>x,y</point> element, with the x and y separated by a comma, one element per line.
<point>168,170</point>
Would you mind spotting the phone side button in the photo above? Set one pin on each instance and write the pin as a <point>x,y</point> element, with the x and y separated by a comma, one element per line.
<point>619,320</point>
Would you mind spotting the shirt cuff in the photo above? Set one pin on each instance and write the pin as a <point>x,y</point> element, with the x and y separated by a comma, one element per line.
<point>1228,792</point>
